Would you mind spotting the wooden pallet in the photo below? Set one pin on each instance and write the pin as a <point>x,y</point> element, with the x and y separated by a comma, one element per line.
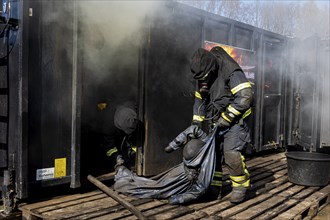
<point>271,196</point>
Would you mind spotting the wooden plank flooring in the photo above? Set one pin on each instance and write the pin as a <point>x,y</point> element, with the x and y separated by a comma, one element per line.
<point>271,196</point>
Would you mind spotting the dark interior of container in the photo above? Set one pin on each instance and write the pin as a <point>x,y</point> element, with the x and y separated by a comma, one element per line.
<point>110,74</point>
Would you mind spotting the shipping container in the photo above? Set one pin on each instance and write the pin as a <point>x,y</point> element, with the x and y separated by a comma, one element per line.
<point>70,56</point>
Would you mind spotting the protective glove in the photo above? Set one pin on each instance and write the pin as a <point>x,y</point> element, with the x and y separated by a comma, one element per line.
<point>168,149</point>
<point>222,123</point>
<point>119,161</point>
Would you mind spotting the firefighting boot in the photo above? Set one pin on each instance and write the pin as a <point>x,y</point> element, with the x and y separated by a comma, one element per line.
<point>214,192</point>
<point>238,194</point>
<point>216,184</point>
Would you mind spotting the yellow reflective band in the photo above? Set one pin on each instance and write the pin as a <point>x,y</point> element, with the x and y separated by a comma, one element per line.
<point>245,184</point>
<point>238,178</point>
<point>244,166</point>
<point>198,118</point>
<point>240,87</point>
<point>242,157</point>
<point>198,95</point>
<point>225,117</point>
<point>216,183</point>
<point>247,113</point>
<point>133,148</point>
<point>233,110</point>
<point>218,174</point>
<point>111,151</point>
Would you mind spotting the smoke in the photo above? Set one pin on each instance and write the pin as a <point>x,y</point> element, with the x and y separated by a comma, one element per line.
<point>111,32</point>
<point>309,61</point>
<point>111,35</point>
<point>108,26</point>
<point>310,78</point>
<point>312,18</point>
<point>325,91</point>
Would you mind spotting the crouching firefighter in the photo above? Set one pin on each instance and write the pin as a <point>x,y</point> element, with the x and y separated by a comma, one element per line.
<point>224,97</point>
<point>120,143</point>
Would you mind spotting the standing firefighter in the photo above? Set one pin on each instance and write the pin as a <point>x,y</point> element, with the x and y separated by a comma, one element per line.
<point>224,96</point>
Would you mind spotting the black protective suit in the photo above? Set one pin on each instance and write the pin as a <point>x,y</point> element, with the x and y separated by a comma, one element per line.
<point>223,96</point>
<point>120,142</point>
<point>182,183</point>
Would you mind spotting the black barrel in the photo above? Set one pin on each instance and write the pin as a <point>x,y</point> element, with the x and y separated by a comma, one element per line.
<point>308,168</point>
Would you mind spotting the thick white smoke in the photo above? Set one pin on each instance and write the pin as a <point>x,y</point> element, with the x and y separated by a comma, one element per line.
<point>105,26</point>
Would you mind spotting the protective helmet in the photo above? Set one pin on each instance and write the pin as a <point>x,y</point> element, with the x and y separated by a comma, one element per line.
<point>125,119</point>
<point>202,64</point>
<point>191,148</point>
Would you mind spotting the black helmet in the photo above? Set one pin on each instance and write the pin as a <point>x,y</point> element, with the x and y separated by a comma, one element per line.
<point>125,119</point>
<point>202,64</point>
<point>191,148</point>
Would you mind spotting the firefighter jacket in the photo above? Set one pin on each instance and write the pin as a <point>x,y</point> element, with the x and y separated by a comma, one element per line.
<point>117,142</point>
<point>123,136</point>
<point>230,93</point>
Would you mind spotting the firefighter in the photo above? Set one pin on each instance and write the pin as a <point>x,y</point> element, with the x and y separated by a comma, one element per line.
<point>224,97</point>
<point>120,143</point>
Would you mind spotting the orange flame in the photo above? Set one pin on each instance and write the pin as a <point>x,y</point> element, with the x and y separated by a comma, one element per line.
<point>238,57</point>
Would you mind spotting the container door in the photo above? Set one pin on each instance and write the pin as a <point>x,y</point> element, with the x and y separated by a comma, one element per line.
<point>4,86</point>
<point>53,147</point>
<point>325,95</point>
<point>168,88</point>
<point>11,98</point>
<point>271,96</point>
<point>307,96</point>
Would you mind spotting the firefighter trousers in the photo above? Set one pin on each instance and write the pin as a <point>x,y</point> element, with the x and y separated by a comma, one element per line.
<point>230,146</point>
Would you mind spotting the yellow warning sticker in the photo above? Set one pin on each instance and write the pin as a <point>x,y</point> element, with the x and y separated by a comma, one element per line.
<point>60,167</point>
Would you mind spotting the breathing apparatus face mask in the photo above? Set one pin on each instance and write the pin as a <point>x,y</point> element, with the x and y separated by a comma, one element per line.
<point>203,67</point>
<point>204,82</point>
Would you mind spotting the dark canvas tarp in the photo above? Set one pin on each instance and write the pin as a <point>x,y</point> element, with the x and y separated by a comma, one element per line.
<point>182,183</point>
